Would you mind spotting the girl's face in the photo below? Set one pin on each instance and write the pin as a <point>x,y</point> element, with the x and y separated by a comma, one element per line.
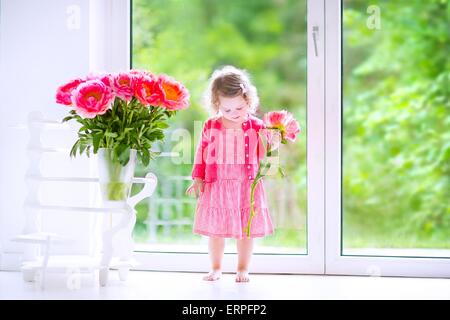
<point>233,109</point>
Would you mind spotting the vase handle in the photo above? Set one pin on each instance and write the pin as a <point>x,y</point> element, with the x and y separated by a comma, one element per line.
<point>150,182</point>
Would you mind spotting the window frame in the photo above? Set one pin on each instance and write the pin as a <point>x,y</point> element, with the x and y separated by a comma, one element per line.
<point>324,159</point>
<point>336,262</point>
<point>313,261</point>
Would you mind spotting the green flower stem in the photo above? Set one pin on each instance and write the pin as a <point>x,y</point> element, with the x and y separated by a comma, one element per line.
<point>262,170</point>
<point>115,189</point>
<point>252,201</point>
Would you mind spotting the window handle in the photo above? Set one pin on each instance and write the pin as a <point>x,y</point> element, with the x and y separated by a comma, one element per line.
<point>315,35</point>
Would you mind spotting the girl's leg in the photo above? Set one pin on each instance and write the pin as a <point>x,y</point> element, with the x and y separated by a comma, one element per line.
<point>216,249</point>
<point>245,250</point>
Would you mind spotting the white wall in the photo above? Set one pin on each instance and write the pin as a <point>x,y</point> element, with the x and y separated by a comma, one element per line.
<point>42,44</point>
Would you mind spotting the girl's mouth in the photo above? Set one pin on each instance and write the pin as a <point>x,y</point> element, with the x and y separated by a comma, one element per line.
<point>237,117</point>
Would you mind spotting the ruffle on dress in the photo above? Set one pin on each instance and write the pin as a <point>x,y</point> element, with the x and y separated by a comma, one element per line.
<point>223,208</point>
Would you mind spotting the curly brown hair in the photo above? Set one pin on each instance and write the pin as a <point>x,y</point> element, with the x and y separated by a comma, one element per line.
<point>230,81</point>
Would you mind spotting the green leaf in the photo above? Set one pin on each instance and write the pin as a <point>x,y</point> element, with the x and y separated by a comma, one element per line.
<point>88,151</point>
<point>122,153</point>
<point>145,157</point>
<point>82,148</point>
<point>67,118</point>
<point>73,150</point>
<point>111,134</point>
<point>96,138</point>
<point>162,125</point>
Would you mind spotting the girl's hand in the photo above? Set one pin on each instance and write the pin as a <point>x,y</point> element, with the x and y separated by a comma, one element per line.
<point>196,187</point>
<point>276,140</point>
<point>273,138</point>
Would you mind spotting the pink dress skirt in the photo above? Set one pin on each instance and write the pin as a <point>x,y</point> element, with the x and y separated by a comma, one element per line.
<point>223,208</point>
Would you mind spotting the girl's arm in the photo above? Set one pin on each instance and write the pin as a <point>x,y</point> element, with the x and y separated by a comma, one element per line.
<point>198,169</point>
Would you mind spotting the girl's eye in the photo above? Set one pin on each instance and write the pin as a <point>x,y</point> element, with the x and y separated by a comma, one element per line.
<point>228,110</point>
<point>240,108</point>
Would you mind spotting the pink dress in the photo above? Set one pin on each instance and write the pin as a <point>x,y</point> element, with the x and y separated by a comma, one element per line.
<point>223,208</point>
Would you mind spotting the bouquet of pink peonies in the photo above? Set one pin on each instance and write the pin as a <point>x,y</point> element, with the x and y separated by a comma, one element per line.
<point>280,127</point>
<point>122,111</point>
<point>121,116</point>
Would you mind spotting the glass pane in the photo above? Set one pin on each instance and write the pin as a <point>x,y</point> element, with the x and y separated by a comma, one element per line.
<point>396,128</point>
<point>188,40</point>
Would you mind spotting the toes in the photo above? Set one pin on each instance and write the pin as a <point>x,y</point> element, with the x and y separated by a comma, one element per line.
<point>242,277</point>
<point>212,276</point>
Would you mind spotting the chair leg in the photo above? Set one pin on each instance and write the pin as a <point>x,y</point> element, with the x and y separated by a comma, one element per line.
<point>43,270</point>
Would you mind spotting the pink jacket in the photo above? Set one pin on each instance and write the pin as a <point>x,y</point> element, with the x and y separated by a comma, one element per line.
<point>208,153</point>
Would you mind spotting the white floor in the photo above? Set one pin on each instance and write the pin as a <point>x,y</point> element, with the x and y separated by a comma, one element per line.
<point>184,286</point>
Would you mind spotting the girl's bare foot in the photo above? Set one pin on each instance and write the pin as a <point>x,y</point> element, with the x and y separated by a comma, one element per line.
<point>242,276</point>
<point>213,275</point>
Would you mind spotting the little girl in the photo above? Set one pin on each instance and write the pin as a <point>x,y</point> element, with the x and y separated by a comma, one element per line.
<point>226,162</point>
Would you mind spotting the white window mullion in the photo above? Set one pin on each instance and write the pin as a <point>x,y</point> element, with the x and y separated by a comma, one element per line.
<point>316,134</point>
<point>109,35</point>
<point>332,134</point>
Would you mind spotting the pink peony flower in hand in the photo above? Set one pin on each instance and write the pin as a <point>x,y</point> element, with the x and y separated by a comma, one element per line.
<point>147,89</point>
<point>292,129</point>
<point>122,85</point>
<point>91,98</point>
<point>283,121</point>
<point>175,95</point>
<point>275,119</point>
<point>276,123</point>
<point>64,92</point>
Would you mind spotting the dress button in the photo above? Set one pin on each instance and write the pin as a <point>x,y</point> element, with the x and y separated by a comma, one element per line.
<point>246,145</point>
<point>246,155</point>
<point>245,134</point>
<point>250,177</point>
<point>248,167</point>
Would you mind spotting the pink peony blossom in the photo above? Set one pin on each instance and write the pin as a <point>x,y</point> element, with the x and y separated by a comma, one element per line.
<point>122,85</point>
<point>283,121</point>
<point>106,78</point>
<point>292,130</point>
<point>175,95</point>
<point>274,119</point>
<point>139,73</point>
<point>92,98</point>
<point>147,90</point>
<point>64,92</point>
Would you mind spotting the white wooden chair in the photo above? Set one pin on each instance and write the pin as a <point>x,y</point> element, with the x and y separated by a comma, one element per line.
<point>116,239</point>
